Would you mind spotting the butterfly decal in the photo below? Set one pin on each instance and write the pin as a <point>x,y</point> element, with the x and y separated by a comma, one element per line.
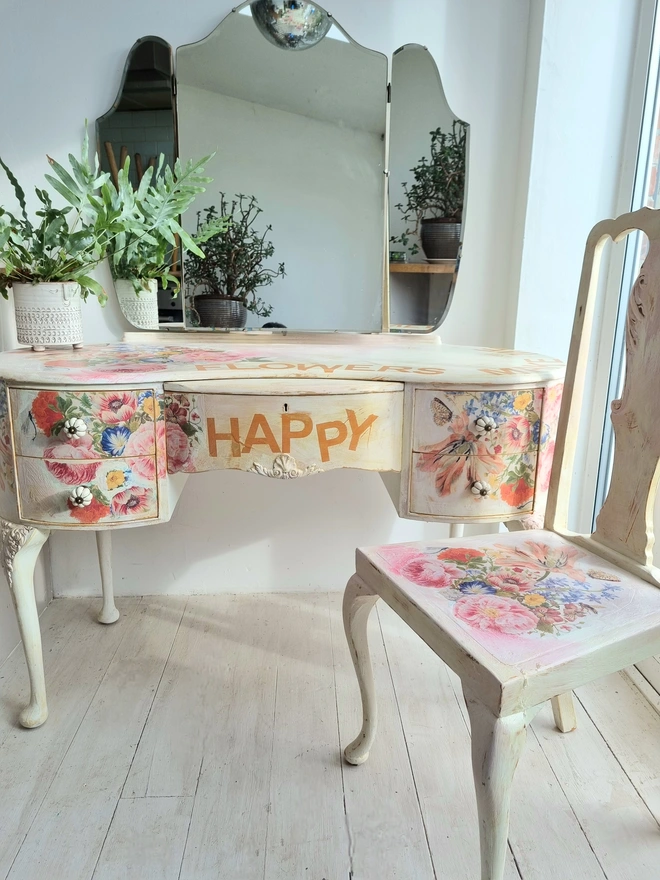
<point>441,412</point>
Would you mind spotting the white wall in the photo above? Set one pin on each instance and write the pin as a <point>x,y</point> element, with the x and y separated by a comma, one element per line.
<point>238,532</point>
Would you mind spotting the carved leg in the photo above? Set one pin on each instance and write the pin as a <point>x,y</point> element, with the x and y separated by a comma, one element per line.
<point>358,602</point>
<point>456,530</point>
<point>497,743</point>
<point>20,550</point>
<point>108,613</point>
<point>564,712</point>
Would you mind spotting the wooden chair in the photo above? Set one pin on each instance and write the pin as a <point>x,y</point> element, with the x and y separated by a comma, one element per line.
<point>528,616</point>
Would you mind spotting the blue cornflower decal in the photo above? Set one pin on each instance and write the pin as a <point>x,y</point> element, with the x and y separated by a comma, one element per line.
<point>142,396</point>
<point>113,440</point>
<point>475,588</point>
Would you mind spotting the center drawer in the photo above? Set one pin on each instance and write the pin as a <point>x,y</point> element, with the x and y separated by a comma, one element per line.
<point>303,426</point>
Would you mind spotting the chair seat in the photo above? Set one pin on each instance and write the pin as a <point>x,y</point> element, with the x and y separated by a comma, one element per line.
<point>537,611</point>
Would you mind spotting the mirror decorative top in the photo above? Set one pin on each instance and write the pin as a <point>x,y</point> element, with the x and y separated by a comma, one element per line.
<point>336,199</point>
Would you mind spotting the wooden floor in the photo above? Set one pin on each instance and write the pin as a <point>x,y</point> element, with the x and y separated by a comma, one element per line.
<point>199,739</point>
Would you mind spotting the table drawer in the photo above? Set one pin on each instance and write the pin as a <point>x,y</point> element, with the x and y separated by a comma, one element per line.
<point>471,486</point>
<point>288,434</point>
<point>490,422</point>
<point>122,490</point>
<point>84,424</point>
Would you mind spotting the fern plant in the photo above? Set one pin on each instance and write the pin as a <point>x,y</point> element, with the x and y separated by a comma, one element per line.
<point>144,250</point>
<point>64,243</point>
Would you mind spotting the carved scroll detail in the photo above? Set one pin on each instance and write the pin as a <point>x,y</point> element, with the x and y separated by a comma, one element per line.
<point>12,538</point>
<point>285,467</point>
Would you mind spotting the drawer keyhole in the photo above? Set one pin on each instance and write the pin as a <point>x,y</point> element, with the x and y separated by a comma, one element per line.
<point>286,407</point>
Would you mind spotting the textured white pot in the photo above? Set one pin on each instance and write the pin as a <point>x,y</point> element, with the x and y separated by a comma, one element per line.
<point>48,314</point>
<point>141,310</point>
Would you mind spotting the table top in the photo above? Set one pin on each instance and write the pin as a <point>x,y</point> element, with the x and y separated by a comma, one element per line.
<point>379,358</point>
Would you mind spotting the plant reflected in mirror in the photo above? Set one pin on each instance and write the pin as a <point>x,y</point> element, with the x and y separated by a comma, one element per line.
<point>224,283</point>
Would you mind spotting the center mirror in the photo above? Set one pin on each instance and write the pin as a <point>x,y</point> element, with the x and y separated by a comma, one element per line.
<point>328,206</point>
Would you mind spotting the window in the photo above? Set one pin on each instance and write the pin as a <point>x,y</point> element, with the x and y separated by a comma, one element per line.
<point>646,192</point>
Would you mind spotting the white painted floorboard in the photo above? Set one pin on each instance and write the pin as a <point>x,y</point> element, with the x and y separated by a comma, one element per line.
<point>199,739</point>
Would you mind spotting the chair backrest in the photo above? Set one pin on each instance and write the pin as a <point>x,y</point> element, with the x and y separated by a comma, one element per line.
<point>625,523</point>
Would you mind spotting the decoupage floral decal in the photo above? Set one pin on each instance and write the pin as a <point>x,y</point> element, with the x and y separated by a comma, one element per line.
<point>183,425</point>
<point>491,437</point>
<point>83,431</point>
<point>6,465</point>
<point>526,588</point>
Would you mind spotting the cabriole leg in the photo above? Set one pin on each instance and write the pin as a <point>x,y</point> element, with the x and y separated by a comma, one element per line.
<point>358,602</point>
<point>108,613</point>
<point>20,549</point>
<point>497,743</point>
<point>564,712</point>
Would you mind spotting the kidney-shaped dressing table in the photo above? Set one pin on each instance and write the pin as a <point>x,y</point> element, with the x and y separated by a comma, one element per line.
<point>327,142</point>
<point>105,437</point>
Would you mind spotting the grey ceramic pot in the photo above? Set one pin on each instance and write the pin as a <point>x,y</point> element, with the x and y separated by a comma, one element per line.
<point>218,311</point>
<point>441,239</point>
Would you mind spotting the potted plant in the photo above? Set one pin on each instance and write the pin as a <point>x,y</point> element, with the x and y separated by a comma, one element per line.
<point>434,202</point>
<point>47,261</point>
<point>141,258</point>
<point>232,271</point>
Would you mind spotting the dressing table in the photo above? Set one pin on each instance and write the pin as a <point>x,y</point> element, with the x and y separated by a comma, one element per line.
<point>106,437</point>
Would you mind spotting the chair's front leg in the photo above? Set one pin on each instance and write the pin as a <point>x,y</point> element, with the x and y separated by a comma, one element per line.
<point>358,602</point>
<point>20,549</point>
<point>108,613</point>
<point>497,743</point>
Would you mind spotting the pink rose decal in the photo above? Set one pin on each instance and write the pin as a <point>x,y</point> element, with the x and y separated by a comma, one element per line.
<point>496,614</point>
<point>61,461</point>
<point>117,406</point>
<point>141,442</point>
<point>429,571</point>
<point>178,448</point>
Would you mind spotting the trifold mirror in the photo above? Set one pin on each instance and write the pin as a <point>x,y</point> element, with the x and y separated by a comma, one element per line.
<point>342,176</point>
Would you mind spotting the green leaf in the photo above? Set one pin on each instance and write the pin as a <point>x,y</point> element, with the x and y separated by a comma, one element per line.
<point>91,286</point>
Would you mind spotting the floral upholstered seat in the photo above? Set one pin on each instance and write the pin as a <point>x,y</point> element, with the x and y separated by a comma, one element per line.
<point>531,599</point>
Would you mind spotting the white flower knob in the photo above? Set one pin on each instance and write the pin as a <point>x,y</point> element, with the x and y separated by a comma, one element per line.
<point>80,496</point>
<point>485,424</point>
<point>480,488</point>
<point>75,428</point>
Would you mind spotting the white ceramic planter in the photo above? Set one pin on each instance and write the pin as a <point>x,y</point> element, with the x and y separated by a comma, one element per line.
<point>48,313</point>
<point>141,310</point>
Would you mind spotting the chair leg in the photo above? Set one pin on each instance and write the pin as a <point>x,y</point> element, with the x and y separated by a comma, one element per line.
<point>564,712</point>
<point>497,743</point>
<point>359,599</point>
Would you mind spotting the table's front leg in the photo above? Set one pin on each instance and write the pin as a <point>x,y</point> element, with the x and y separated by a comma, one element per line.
<point>20,549</point>
<point>108,613</point>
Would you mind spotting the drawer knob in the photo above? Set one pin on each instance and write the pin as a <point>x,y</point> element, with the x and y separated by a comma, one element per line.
<point>81,496</point>
<point>485,424</point>
<point>75,428</point>
<point>480,488</point>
